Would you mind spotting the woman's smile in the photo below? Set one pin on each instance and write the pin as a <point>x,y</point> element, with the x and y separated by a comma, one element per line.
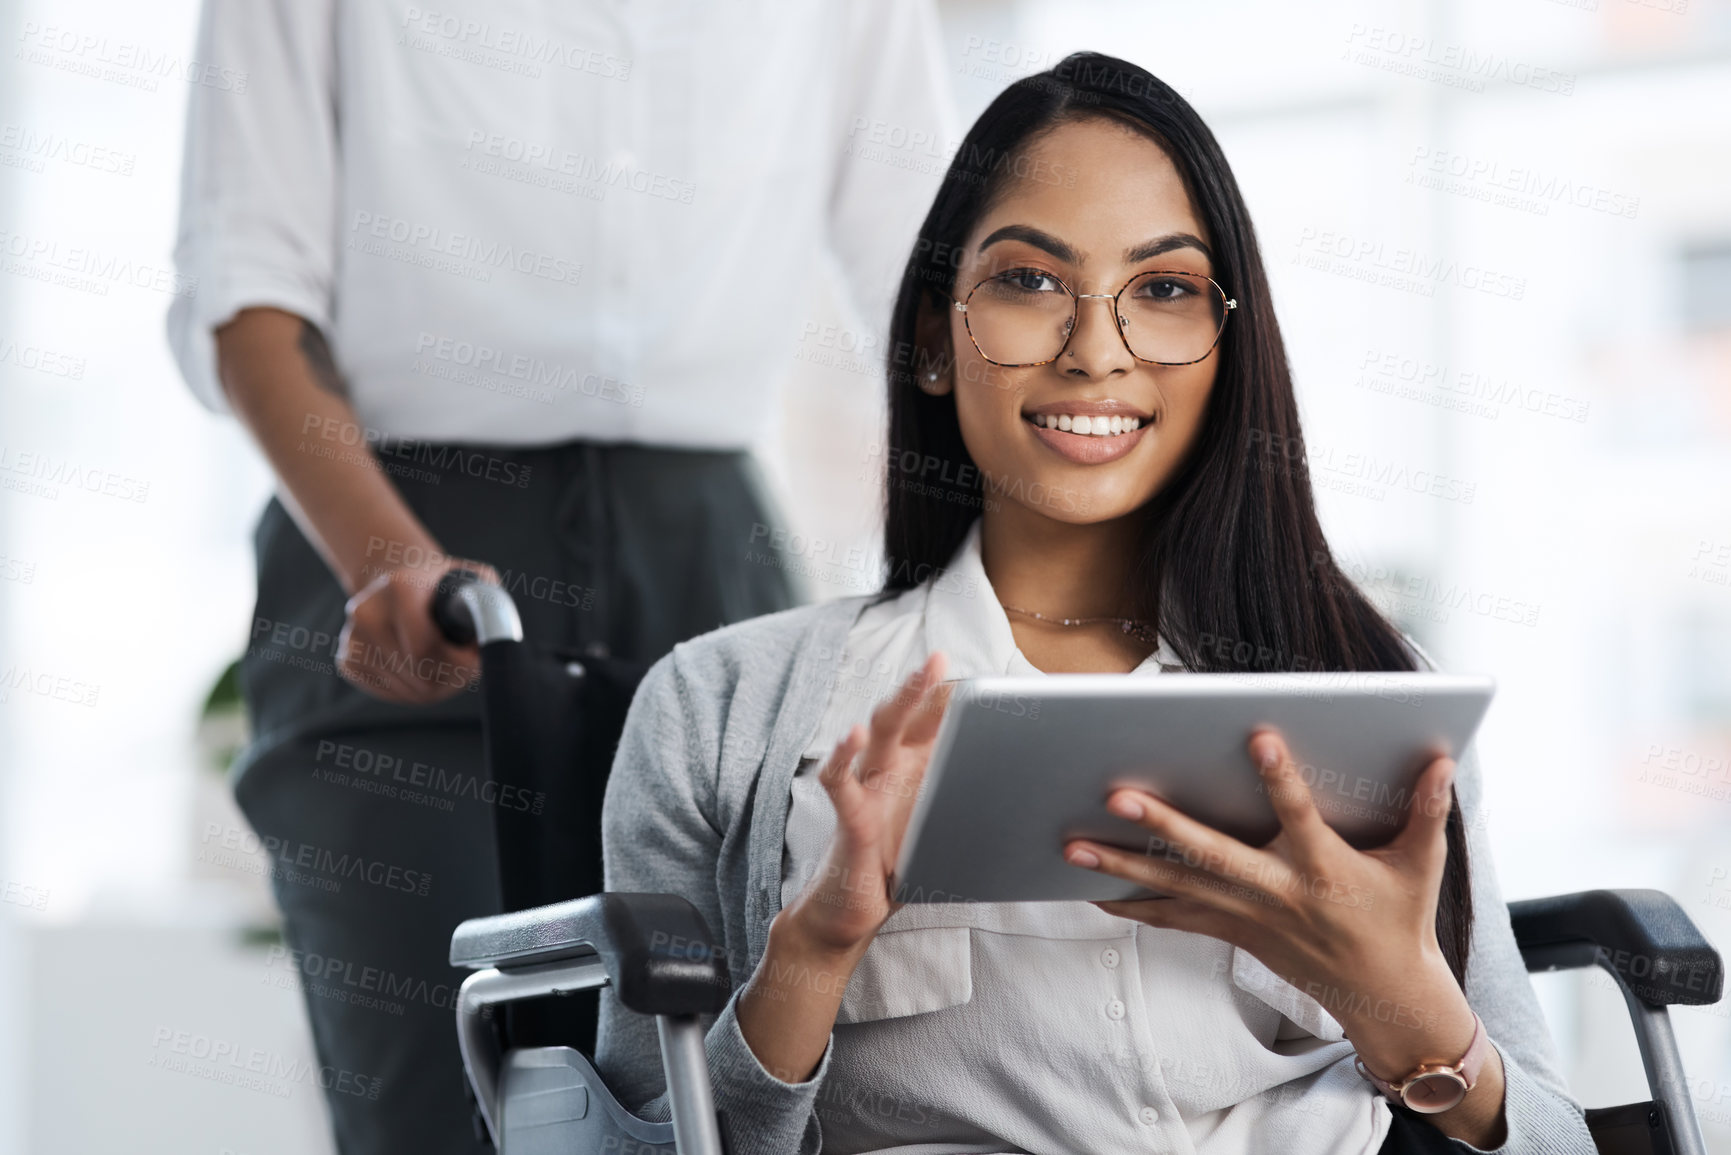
<point>1089,432</point>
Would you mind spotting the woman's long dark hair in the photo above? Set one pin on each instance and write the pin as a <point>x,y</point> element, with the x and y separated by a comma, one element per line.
<point>1232,565</point>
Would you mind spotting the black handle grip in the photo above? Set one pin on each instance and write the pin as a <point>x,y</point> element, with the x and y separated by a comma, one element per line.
<point>1644,935</point>
<point>450,614</point>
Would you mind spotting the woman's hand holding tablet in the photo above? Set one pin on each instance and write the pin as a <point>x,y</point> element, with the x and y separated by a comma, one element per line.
<point>1353,929</point>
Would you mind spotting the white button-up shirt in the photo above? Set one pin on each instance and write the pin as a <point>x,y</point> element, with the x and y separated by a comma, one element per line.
<point>521,222</point>
<point>987,1027</point>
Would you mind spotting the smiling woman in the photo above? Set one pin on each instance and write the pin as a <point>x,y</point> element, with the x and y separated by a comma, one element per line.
<point>1107,336</point>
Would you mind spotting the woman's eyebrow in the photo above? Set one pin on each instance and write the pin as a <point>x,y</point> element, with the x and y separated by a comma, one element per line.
<point>1045,241</point>
<point>1032,236</point>
<point>1166,244</point>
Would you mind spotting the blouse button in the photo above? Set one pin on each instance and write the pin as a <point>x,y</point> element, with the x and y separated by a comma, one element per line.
<point>1149,1116</point>
<point>1115,1009</point>
<point>1109,957</point>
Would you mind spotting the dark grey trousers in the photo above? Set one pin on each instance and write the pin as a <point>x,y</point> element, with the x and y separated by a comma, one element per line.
<point>376,816</point>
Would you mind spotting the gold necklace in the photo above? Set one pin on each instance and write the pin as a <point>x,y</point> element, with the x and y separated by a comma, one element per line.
<point>1140,630</point>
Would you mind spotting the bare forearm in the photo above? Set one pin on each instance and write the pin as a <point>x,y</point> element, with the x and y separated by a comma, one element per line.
<point>280,382</point>
<point>788,1008</point>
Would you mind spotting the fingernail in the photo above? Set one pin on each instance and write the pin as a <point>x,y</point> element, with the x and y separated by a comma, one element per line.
<point>1083,857</point>
<point>1270,757</point>
<point>1125,807</point>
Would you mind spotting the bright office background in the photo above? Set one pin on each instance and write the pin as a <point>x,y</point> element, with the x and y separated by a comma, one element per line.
<point>1558,171</point>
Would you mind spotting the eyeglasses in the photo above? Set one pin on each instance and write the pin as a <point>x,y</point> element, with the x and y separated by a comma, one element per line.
<point>1024,317</point>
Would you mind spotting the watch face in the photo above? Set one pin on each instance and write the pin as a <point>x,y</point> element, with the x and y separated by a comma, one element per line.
<point>1429,1094</point>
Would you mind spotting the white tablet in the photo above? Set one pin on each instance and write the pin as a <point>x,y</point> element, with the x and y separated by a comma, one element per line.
<point>1021,765</point>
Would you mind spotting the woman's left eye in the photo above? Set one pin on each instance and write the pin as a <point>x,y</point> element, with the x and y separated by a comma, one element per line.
<point>1166,288</point>
<point>1032,281</point>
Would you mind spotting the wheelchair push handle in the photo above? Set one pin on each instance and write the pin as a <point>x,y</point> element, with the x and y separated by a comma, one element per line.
<point>469,611</point>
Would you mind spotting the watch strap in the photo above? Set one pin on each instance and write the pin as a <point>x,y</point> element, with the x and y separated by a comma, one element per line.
<point>1467,1068</point>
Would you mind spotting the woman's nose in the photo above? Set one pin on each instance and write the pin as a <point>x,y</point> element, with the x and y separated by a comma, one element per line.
<point>1096,346</point>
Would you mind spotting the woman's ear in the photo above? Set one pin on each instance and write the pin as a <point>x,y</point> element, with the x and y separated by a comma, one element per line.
<point>934,364</point>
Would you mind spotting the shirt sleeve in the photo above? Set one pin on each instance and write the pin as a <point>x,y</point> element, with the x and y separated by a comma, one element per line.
<point>660,834</point>
<point>258,177</point>
<point>1542,1116</point>
<point>896,134</point>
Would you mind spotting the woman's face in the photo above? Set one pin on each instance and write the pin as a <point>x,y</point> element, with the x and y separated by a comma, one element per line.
<point>1101,204</point>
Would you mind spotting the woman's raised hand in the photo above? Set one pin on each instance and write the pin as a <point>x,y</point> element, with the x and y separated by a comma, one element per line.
<point>873,778</point>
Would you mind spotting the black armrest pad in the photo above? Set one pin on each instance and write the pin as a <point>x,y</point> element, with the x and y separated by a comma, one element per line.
<point>657,951</point>
<point>1643,935</point>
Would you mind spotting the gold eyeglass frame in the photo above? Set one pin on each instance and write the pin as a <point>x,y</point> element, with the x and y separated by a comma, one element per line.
<point>1076,300</point>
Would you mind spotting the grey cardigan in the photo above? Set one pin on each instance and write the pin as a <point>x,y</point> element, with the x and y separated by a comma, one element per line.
<point>697,806</point>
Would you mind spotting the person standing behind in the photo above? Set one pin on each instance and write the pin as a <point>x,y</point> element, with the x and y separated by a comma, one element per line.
<point>514,283</point>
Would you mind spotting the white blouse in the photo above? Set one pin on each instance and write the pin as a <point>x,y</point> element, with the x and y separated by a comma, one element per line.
<point>991,1027</point>
<point>520,222</point>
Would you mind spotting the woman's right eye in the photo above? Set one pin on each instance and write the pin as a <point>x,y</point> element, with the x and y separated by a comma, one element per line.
<point>1031,281</point>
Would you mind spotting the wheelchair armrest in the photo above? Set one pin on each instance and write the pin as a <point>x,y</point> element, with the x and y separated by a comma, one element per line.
<point>656,949</point>
<point>1641,935</point>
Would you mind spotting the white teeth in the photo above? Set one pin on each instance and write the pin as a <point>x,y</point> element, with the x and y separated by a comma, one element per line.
<point>1090,426</point>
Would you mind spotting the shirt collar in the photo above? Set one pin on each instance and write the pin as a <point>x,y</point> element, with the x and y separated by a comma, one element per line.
<point>964,618</point>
